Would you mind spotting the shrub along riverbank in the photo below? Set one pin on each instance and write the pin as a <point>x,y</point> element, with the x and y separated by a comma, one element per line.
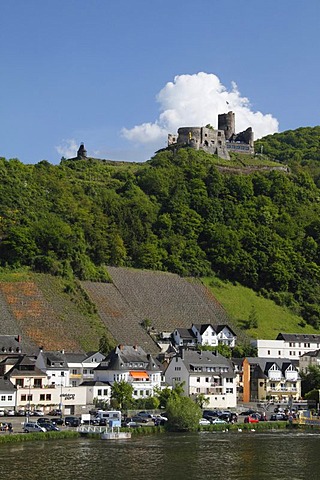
<point>26,437</point>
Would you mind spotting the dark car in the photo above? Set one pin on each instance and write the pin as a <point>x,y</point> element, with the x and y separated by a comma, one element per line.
<point>71,421</point>
<point>50,427</point>
<point>247,412</point>
<point>55,413</point>
<point>139,419</point>
<point>230,417</point>
<point>209,414</point>
<point>278,416</point>
<point>42,420</point>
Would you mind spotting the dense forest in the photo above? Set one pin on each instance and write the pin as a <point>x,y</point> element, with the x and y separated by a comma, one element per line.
<point>177,212</point>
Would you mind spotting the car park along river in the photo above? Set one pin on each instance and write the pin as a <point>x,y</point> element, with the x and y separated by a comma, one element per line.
<point>278,455</point>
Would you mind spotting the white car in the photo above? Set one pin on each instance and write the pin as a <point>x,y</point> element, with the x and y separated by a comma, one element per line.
<point>38,413</point>
<point>2,413</point>
<point>204,421</point>
<point>217,421</point>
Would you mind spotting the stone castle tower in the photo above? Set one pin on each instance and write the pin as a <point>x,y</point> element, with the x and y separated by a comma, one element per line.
<point>227,123</point>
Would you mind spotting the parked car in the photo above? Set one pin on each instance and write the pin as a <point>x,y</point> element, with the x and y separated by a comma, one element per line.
<point>279,417</point>
<point>32,427</point>
<point>38,413</point>
<point>55,412</point>
<point>57,421</point>
<point>208,414</point>
<point>2,413</point>
<point>251,418</point>
<point>3,427</point>
<point>71,421</point>
<point>50,427</point>
<point>247,412</point>
<point>217,421</point>
<point>42,420</point>
<point>230,417</point>
<point>138,419</point>
<point>204,421</point>
<point>11,413</point>
<point>146,415</point>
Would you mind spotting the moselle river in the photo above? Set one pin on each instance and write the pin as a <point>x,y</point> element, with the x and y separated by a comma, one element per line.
<point>276,455</point>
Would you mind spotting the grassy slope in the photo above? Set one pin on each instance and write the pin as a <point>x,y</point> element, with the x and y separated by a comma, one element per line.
<point>272,319</point>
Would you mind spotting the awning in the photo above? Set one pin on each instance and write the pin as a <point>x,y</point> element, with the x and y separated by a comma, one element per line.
<point>139,374</point>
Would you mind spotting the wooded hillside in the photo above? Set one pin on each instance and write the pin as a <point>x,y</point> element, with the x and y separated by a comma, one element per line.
<point>177,213</point>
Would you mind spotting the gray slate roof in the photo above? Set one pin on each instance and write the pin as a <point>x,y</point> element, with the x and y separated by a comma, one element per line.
<point>298,337</point>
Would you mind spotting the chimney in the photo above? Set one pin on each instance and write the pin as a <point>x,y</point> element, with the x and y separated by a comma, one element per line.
<point>18,338</point>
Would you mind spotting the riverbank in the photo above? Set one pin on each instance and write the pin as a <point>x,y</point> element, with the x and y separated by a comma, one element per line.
<point>27,437</point>
<point>143,431</point>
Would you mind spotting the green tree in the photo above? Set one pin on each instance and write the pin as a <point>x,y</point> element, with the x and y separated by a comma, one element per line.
<point>202,400</point>
<point>106,344</point>
<point>121,393</point>
<point>183,414</point>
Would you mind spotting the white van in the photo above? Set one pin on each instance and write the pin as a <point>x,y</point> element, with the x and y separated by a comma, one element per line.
<point>110,418</point>
<point>31,427</point>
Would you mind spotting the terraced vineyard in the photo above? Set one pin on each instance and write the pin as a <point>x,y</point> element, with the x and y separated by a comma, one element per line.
<point>166,300</point>
<point>56,314</point>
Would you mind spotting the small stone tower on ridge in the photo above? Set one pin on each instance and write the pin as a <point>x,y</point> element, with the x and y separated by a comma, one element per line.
<point>82,152</point>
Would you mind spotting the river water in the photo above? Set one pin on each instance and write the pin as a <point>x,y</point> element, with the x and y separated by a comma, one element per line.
<point>276,455</point>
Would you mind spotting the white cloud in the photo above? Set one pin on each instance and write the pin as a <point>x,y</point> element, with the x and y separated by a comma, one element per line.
<point>68,148</point>
<point>196,100</point>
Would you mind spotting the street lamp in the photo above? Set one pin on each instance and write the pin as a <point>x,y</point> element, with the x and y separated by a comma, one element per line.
<point>29,399</point>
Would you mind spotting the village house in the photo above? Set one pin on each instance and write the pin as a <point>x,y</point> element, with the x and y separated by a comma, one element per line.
<point>205,335</point>
<point>133,365</point>
<point>204,372</point>
<point>287,345</point>
<point>309,359</point>
<point>274,379</point>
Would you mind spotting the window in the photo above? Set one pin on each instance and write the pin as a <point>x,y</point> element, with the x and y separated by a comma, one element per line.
<point>141,393</point>
<point>207,379</point>
<point>3,398</point>
<point>229,390</point>
<point>9,398</point>
<point>135,392</point>
<point>74,371</point>
<point>42,397</point>
<point>37,382</point>
<point>23,398</point>
<point>268,352</point>
<point>91,372</point>
<point>62,374</point>
<point>85,371</point>
<point>19,382</point>
<point>177,368</point>
<point>74,383</point>
<point>99,392</point>
<point>48,396</point>
<point>279,352</point>
<point>198,390</point>
<point>105,391</point>
<point>198,379</point>
<point>29,398</point>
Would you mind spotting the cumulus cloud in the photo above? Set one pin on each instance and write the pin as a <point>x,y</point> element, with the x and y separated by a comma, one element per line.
<point>196,100</point>
<point>68,148</point>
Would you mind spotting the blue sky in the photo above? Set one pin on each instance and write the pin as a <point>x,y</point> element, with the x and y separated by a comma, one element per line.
<point>120,75</point>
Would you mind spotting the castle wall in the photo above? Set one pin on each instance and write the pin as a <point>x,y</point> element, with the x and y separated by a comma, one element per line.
<point>217,142</point>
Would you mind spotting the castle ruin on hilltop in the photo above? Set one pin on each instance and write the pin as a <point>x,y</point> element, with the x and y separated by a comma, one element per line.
<point>219,142</point>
